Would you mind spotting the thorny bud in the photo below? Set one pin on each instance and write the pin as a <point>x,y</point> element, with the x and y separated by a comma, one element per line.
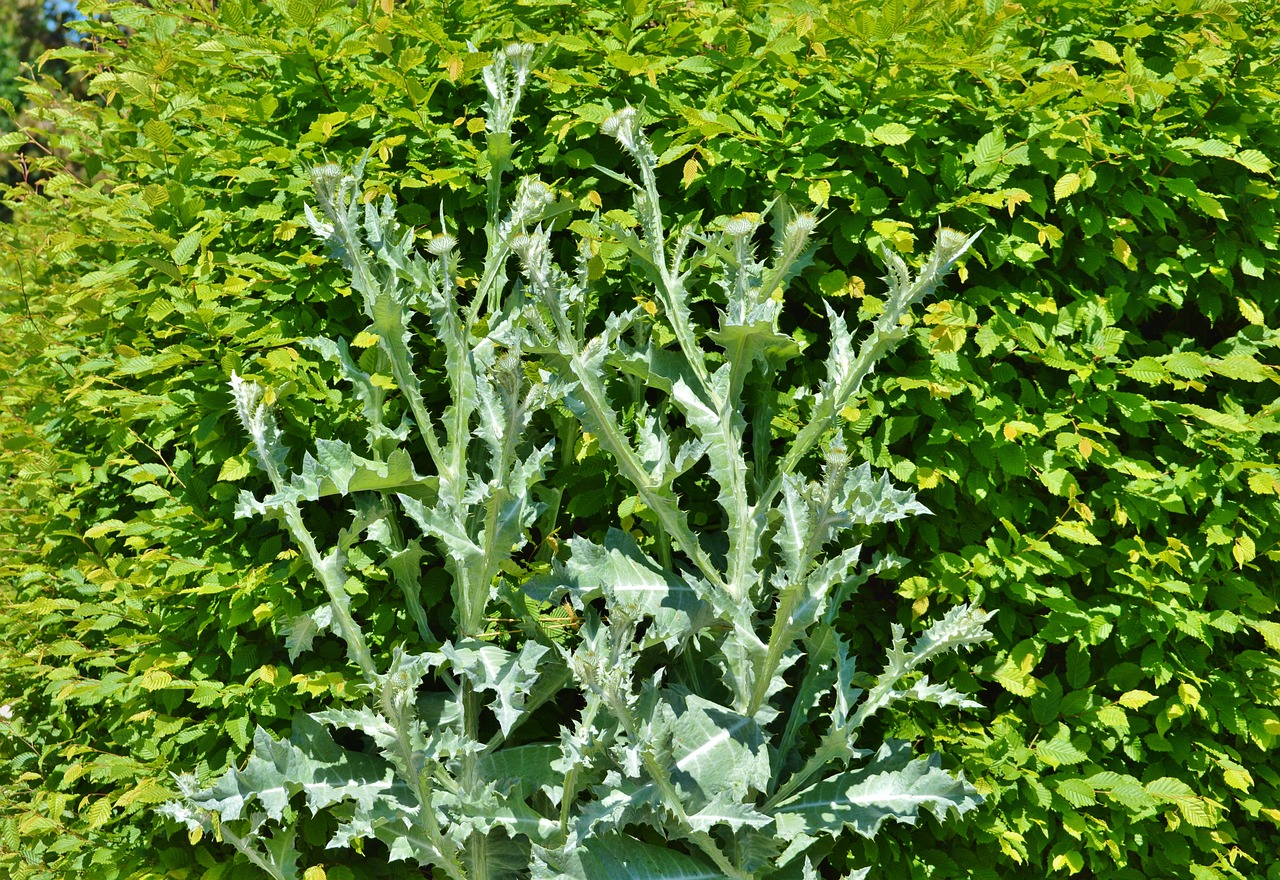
<point>797,233</point>
<point>951,244</point>
<point>442,244</point>
<point>520,55</point>
<point>739,226</point>
<point>522,244</point>
<point>509,373</point>
<point>325,179</point>
<point>623,126</point>
<point>836,465</point>
<point>532,196</point>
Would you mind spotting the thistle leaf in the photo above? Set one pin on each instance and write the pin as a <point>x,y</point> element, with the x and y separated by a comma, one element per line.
<point>893,786</point>
<point>631,582</point>
<point>509,675</point>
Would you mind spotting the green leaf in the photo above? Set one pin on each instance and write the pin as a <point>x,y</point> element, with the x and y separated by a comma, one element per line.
<point>1077,792</point>
<point>1253,263</point>
<point>159,133</point>
<point>715,751</point>
<point>185,249</point>
<point>1148,370</point>
<point>1061,749</point>
<point>989,149</point>
<point>1135,699</point>
<point>1225,421</point>
<point>1188,364</point>
<point>309,762</point>
<point>624,857</point>
<point>1250,312</point>
<point>1254,161</point>
<point>1076,532</point>
<point>892,133</point>
<point>302,13</point>
<point>1194,809</point>
<point>11,140</point>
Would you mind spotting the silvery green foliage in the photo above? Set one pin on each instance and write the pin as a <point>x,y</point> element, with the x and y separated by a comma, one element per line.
<point>692,756</point>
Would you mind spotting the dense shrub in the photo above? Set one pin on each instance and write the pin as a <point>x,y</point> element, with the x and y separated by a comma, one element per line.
<point>1089,416</point>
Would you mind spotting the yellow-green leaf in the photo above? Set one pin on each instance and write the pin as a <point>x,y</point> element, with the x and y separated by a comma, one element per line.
<point>1253,160</point>
<point>1071,860</point>
<point>235,468</point>
<point>820,192</point>
<point>1076,532</point>
<point>1250,312</point>
<point>1135,699</point>
<point>1269,630</point>
<point>893,133</point>
<point>156,679</point>
<point>1244,550</point>
<point>159,133</point>
<point>1066,186</point>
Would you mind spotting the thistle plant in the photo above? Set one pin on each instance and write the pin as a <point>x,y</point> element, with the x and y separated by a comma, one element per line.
<point>720,728</point>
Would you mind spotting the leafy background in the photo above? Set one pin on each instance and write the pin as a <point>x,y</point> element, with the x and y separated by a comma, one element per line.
<point>1090,414</point>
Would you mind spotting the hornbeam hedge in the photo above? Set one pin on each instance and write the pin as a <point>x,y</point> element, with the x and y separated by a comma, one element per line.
<point>1084,406</point>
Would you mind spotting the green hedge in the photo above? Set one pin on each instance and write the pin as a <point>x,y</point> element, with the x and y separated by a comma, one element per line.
<point>1088,416</point>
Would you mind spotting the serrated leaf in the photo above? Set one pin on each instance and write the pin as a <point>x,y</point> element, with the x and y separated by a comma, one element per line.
<point>989,148</point>
<point>1243,367</point>
<point>892,133</point>
<point>1123,789</point>
<point>302,13</point>
<point>1071,860</point>
<point>1250,312</point>
<point>1188,364</point>
<point>156,679</point>
<point>234,469</point>
<point>1076,532</point>
<point>159,133</point>
<point>1243,550</point>
<point>1076,791</point>
<point>621,571</point>
<point>99,812</point>
<point>1254,160</point>
<point>1066,186</point>
<point>625,858</point>
<point>1193,808</point>
<point>1060,749</point>
<point>509,675</point>
<point>1225,421</point>
<point>185,249</point>
<point>716,752</point>
<point>309,762</point>
<point>1148,370</point>
<point>1214,147</point>
<point>11,140</point>
<point>1269,630</point>
<point>891,787</point>
<point>1253,263</point>
<point>1135,699</point>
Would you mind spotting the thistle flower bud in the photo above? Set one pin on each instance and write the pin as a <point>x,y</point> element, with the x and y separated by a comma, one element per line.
<point>326,180</point>
<point>521,243</point>
<point>622,125</point>
<point>951,244</point>
<point>442,244</point>
<point>739,226</point>
<point>798,231</point>
<point>520,56</point>
<point>835,467</point>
